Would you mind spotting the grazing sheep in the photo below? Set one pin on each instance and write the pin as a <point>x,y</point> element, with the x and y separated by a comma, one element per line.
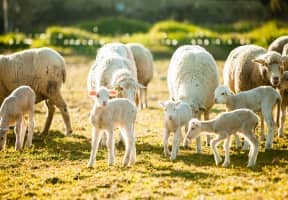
<point>278,44</point>
<point>177,114</point>
<point>192,78</point>
<point>261,99</point>
<point>243,121</point>
<point>43,69</point>
<point>283,89</point>
<point>250,66</point>
<point>20,102</point>
<point>109,114</point>
<point>144,64</point>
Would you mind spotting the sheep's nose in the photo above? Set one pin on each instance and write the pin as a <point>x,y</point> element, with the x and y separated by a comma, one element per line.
<point>170,117</point>
<point>104,103</point>
<point>276,80</point>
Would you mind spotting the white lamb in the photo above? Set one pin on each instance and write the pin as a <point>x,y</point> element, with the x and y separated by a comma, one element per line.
<point>243,121</point>
<point>13,109</point>
<point>192,78</point>
<point>109,114</point>
<point>144,64</point>
<point>261,99</point>
<point>177,115</point>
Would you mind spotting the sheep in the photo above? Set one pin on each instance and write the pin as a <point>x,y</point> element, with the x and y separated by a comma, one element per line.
<point>20,102</point>
<point>250,66</point>
<point>192,78</point>
<point>243,121</point>
<point>109,114</point>
<point>144,64</point>
<point>278,44</point>
<point>261,99</point>
<point>177,114</point>
<point>42,69</point>
<point>284,96</point>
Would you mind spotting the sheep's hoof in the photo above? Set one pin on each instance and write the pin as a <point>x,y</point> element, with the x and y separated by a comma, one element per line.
<point>251,165</point>
<point>225,164</point>
<point>43,133</point>
<point>172,158</point>
<point>68,133</point>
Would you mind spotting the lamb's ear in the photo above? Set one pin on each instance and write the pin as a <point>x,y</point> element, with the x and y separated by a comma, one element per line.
<point>139,85</point>
<point>259,60</point>
<point>92,93</point>
<point>162,104</point>
<point>113,93</point>
<point>202,108</point>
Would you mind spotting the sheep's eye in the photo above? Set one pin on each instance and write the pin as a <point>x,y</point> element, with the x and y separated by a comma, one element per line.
<point>192,128</point>
<point>97,95</point>
<point>174,110</point>
<point>165,109</point>
<point>2,138</point>
<point>223,93</point>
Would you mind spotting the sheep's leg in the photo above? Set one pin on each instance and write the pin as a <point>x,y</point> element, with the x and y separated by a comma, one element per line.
<point>103,140</point>
<point>245,146</point>
<point>208,137</point>
<point>186,141</point>
<point>214,143</point>
<point>129,142</point>
<point>110,147</point>
<point>132,158</point>
<point>237,141</point>
<point>17,131</point>
<point>23,128</point>
<point>262,135</point>
<point>50,112</point>
<point>94,146</point>
<point>253,141</point>
<point>226,146</point>
<point>267,114</point>
<point>198,143</point>
<point>282,121</point>
<point>165,142</point>
<point>145,98</point>
<point>175,145</point>
<point>61,105</point>
<point>30,129</point>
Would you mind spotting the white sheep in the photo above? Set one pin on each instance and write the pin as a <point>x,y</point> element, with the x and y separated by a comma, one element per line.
<point>283,88</point>
<point>144,64</point>
<point>109,114</point>
<point>42,69</point>
<point>243,121</point>
<point>278,44</point>
<point>261,99</point>
<point>192,78</point>
<point>13,109</point>
<point>176,115</point>
<point>250,66</point>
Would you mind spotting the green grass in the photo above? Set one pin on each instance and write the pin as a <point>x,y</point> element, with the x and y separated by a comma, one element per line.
<point>55,168</point>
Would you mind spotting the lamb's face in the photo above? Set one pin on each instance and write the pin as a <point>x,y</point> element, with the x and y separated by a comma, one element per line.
<point>193,129</point>
<point>102,97</point>
<point>3,137</point>
<point>169,110</point>
<point>221,93</point>
<point>284,81</point>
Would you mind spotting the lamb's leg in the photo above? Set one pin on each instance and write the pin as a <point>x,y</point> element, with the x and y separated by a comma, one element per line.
<point>50,112</point>
<point>176,143</point>
<point>253,141</point>
<point>208,137</point>
<point>110,147</point>
<point>226,146</point>
<point>165,142</point>
<point>214,143</point>
<point>129,142</point>
<point>61,105</point>
<point>237,141</point>
<point>262,134</point>
<point>17,131</point>
<point>132,158</point>
<point>23,129</point>
<point>198,144</point>
<point>94,146</point>
<point>30,129</point>
<point>267,114</point>
<point>282,121</point>
<point>145,97</point>
<point>186,141</point>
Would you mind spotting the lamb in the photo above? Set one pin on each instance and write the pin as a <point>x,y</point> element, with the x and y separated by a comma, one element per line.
<point>278,44</point>
<point>109,114</point>
<point>13,109</point>
<point>284,96</point>
<point>250,66</point>
<point>114,67</point>
<point>144,64</point>
<point>177,115</point>
<point>42,69</point>
<point>223,126</point>
<point>192,78</point>
<point>261,99</point>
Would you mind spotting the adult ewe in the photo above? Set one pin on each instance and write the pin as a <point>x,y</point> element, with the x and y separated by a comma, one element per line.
<point>278,44</point>
<point>42,69</point>
<point>250,66</point>
<point>144,64</point>
<point>192,78</point>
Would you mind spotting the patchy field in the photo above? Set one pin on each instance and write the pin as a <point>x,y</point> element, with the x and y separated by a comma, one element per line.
<point>55,168</point>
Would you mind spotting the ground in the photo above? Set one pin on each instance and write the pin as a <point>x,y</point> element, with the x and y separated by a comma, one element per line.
<point>55,168</point>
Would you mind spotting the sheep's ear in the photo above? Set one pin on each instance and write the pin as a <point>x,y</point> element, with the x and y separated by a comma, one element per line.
<point>202,108</point>
<point>92,93</point>
<point>284,59</point>
<point>139,85</point>
<point>259,60</point>
<point>162,104</point>
<point>113,93</point>
<point>177,103</point>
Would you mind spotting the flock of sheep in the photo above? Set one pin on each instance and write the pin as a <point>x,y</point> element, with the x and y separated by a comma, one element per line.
<point>254,81</point>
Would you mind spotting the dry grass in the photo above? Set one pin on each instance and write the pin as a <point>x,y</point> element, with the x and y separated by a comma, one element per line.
<point>55,168</point>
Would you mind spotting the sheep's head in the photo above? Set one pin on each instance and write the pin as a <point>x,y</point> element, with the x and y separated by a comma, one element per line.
<point>221,93</point>
<point>284,81</point>
<point>196,110</point>
<point>169,109</point>
<point>102,96</point>
<point>271,67</point>
<point>127,88</point>
<point>3,137</point>
<point>193,129</point>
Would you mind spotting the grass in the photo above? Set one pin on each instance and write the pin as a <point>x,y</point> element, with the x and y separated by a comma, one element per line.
<point>55,168</point>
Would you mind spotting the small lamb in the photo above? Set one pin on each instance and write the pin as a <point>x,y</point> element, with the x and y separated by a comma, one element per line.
<point>261,99</point>
<point>109,114</point>
<point>177,115</point>
<point>20,102</point>
<point>224,125</point>
<point>284,95</point>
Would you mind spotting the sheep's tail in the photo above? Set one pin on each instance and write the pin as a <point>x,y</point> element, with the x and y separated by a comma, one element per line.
<point>278,110</point>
